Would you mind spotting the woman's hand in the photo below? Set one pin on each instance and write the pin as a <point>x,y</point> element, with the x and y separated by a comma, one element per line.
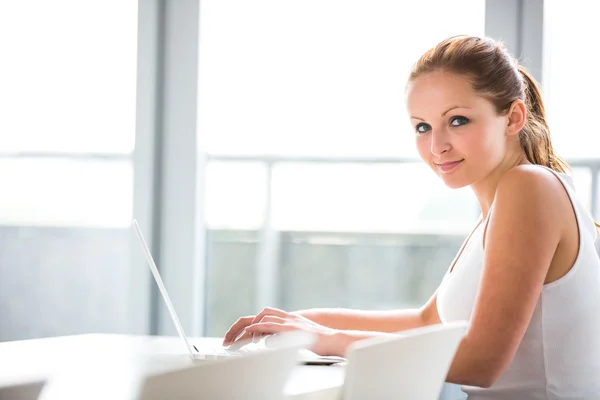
<point>273,321</point>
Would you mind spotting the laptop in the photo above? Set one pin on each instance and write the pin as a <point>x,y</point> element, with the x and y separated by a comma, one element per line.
<point>213,352</point>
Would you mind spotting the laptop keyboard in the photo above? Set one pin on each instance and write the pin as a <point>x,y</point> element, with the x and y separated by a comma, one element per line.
<point>221,351</point>
<point>224,352</point>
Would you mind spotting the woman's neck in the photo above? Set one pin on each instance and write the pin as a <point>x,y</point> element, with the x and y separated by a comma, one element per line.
<point>485,189</point>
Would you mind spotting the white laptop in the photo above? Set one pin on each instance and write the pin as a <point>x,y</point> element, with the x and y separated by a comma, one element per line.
<point>205,351</point>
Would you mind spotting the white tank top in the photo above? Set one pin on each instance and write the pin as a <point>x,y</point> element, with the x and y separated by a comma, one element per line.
<point>559,356</point>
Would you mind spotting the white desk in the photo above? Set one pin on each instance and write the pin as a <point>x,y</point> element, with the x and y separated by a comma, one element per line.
<point>84,364</point>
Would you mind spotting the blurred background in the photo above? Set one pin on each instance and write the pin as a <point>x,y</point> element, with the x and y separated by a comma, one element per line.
<point>262,145</point>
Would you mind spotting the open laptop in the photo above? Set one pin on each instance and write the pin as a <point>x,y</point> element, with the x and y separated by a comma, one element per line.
<point>205,351</point>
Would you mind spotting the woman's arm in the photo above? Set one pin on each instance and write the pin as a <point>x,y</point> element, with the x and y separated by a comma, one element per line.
<point>337,329</point>
<point>377,321</point>
<point>362,320</point>
<point>523,233</point>
<point>345,326</point>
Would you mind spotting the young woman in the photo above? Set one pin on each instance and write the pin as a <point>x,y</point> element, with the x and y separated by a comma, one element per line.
<point>528,275</point>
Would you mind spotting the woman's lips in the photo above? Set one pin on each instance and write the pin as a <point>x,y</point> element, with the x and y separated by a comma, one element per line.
<point>448,166</point>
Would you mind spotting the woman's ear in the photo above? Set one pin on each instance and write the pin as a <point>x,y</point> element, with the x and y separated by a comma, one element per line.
<point>517,117</point>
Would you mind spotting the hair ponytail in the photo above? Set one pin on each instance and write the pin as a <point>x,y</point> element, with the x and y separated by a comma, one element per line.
<point>535,136</point>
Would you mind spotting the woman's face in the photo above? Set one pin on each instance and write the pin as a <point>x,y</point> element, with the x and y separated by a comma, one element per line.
<point>458,133</point>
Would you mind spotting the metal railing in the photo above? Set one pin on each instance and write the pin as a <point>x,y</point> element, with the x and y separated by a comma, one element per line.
<point>268,250</point>
<point>268,245</point>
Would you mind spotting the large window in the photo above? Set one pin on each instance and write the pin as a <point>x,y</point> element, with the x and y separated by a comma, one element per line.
<point>313,182</point>
<point>570,75</point>
<point>69,83</point>
<point>570,84</point>
<point>324,79</point>
<point>67,130</point>
<point>68,106</point>
<point>316,77</point>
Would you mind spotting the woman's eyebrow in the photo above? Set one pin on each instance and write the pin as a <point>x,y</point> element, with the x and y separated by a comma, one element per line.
<point>453,108</point>
<point>444,113</point>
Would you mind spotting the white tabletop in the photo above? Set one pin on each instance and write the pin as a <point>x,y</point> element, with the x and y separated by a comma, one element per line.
<point>72,364</point>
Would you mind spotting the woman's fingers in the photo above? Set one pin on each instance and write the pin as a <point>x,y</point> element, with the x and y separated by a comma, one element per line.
<point>269,311</point>
<point>236,332</point>
<point>270,327</point>
<point>271,318</point>
<point>256,336</point>
<point>236,329</point>
<point>242,339</point>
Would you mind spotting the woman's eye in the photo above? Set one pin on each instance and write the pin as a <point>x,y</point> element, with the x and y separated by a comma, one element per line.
<point>422,128</point>
<point>458,121</point>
